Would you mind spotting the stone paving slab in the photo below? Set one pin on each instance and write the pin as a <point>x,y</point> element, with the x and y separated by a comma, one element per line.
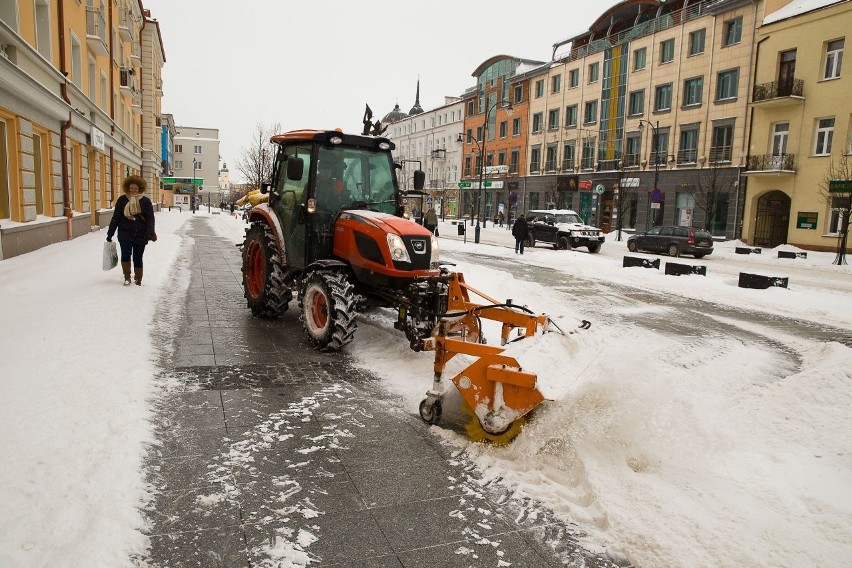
<point>269,450</point>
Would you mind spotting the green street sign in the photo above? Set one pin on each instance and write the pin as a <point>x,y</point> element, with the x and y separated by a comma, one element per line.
<point>184,181</point>
<point>464,185</point>
<point>840,186</point>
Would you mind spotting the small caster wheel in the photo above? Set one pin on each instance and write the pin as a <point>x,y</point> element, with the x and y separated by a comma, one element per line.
<point>430,411</point>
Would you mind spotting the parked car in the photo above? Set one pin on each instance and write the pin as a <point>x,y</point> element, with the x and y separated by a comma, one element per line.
<point>673,241</point>
<point>563,228</point>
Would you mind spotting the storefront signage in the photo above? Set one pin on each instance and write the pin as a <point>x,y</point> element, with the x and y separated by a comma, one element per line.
<point>806,220</point>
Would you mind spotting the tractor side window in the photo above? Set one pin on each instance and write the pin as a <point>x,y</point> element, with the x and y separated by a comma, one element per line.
<point>292,192</point>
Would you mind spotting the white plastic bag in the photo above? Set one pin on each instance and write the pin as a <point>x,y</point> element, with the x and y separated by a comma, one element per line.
<point>110,256</point>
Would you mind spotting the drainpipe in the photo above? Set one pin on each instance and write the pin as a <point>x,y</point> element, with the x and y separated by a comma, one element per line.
<point>67,206</point>
<point>141,100</point>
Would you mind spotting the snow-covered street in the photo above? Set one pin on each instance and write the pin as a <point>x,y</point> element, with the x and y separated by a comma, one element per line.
<point>695,424</point>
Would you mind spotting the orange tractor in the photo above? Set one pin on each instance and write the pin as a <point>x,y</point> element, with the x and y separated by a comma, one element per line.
<point>335,231</point>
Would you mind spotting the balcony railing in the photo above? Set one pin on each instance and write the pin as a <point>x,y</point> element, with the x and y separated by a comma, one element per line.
<point>630,160</point>
<point>587,163</point>
<point>721,154</point>
<point>550,166</point>
<point>657,158</point>
<point>568,165</point>
<point>608,165</point>
<point>687,156</point>
<point>96,31</point>
<point>778,90</point>
<point>127,79</point>
<point>770,163</point>
<point>534,166</point>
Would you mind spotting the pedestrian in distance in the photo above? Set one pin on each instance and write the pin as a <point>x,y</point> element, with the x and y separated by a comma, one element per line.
<point>133,218</point>
<point>501,217</point>
<point>430,221</point>
<point>520,232</point>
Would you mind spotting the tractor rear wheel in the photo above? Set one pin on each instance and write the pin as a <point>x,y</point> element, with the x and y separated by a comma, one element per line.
<point>328,303</point>
<point>263,273</point>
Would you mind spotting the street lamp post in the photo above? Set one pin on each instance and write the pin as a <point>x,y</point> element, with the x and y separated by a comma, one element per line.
<point>655,127</point>
<point>194,169</point>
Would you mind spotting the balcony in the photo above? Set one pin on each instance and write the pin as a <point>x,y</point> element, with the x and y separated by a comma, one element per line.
<point>687,156</point>
<point>608,165</point>
<point>438,154</point>
<point>534,167</point>
<point>587,163</point>
<point>96,31</point>
<point>136,54</point>
<point>124,23</point>
<point>158,84</point>
<point>630,160</point>
<point>779,94</point>
<point>137,102</point>
<point>568,165</point>
<point>768,165</point>
<point>721,154</point>
<point>127,80</point>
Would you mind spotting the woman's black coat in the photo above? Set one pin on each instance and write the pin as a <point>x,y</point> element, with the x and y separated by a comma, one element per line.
<point>138,230</point>
<point>520,230</point>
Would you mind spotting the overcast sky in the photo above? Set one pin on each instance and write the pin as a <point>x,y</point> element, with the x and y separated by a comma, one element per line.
<point>316,64</point>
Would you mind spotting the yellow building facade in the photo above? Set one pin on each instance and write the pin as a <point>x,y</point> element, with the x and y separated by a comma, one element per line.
<point>71,115</point>
<point>801,117</point>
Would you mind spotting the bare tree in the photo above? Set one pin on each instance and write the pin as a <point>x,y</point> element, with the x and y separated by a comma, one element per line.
<point>255,161</point>
<point>839,200</point>
<point>714,184</point>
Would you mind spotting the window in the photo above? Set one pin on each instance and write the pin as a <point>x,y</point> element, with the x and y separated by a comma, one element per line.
<point>573,78</point>
<point>550,158</point>
<point>593,72</point>
<point>555,84</point>
<point>504,129</point>
<point>536,122</point>
<point>42,28</point>
<point>733,32</point>
<point>568,156</point>
<point>824,135</point>
<point>588,161</point>
<point>93,80</point>
<point>178,164</point>
<point>535,158</point>
<point>722,143</point>
<point>688,151</point>
<point>663,98</point>
<point>519,93</point>
<point>571,116</point>
<point>726,85</point>
<point>553,119</point>
<point>516,127</point>
<point>197,149</point>
<point>76,62</point>
<point>636,103</point>
<point>632,150</point>
<point>5,193</point>
<point>692,89</point>
<point>479,133</point>
<point>197,165</point>
<point>696,41</point>
<point>514,158</point>
<point>639,59</point>
<point>833,59</point>
<point>501,158</point>
<point>659,147</point>
<point>466,166</point>
<point>178,148</point>
<point>839,208</point>
<point>667,49</point>
<point>590,112</point>
<point>539,88</point>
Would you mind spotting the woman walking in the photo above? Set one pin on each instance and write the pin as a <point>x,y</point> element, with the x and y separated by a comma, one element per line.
<point>133,217</point>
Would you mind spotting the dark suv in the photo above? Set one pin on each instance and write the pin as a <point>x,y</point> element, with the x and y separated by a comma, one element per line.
<point>674,241</point>
<point>562,228</point>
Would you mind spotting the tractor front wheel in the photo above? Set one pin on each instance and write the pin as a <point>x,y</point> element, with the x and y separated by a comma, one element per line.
<point>263,273</point>
<point>328,305</point>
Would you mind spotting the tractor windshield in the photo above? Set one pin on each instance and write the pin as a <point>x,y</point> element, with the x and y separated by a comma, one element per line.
<point>355,178</point>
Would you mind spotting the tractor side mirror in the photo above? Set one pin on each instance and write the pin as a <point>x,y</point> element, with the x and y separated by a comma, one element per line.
<point>264,187</point>
<point>295,168</point>
<point>419,179</point>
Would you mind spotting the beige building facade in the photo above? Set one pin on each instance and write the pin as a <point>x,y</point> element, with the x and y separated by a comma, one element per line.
<point>71,115</point>
<point>801,118</point>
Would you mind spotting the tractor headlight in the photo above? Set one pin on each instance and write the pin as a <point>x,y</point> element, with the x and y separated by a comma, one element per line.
<point>397,248</point>
<point>434,257</point>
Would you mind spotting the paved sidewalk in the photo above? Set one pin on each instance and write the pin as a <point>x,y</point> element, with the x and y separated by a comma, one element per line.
<point>272,454</point>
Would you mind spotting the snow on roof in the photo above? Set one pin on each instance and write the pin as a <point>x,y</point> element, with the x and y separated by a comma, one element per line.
<point>797,8</point>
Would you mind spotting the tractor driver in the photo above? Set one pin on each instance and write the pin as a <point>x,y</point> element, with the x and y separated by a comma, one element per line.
<point>330,190</point>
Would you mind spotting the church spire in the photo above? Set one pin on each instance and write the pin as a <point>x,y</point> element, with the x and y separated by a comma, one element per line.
<point>416,109</point>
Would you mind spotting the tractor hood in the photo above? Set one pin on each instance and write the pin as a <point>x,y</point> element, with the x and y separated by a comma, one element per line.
<point>386,222</point>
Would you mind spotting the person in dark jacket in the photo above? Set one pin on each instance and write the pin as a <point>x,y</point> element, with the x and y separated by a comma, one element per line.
<point>133,217</point>
<point>430,221</point>
<point>520,232</point>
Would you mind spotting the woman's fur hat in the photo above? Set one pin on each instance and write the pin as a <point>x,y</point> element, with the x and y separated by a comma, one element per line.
<point>134,179</point>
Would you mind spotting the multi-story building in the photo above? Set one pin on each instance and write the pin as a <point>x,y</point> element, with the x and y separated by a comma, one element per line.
<point>429,140</point>
<point>153,57</point>
<point>644,118</point>
<point>196,156</point>
<point>800,127</point>
<point>496,126</point>
<point>71,107</point>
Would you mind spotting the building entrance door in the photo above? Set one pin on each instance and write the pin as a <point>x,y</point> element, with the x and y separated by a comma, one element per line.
<point>772,219</point>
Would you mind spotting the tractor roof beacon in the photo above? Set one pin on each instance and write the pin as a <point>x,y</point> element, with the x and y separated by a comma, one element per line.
<point>334,230</point>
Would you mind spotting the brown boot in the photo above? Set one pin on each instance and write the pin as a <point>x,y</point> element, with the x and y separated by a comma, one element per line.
<point>138,273</point>
<point>125,266</point>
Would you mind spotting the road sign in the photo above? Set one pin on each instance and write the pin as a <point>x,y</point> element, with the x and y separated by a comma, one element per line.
<point>600,188</point>
<point>840,186</point>
<point>464,185</point>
